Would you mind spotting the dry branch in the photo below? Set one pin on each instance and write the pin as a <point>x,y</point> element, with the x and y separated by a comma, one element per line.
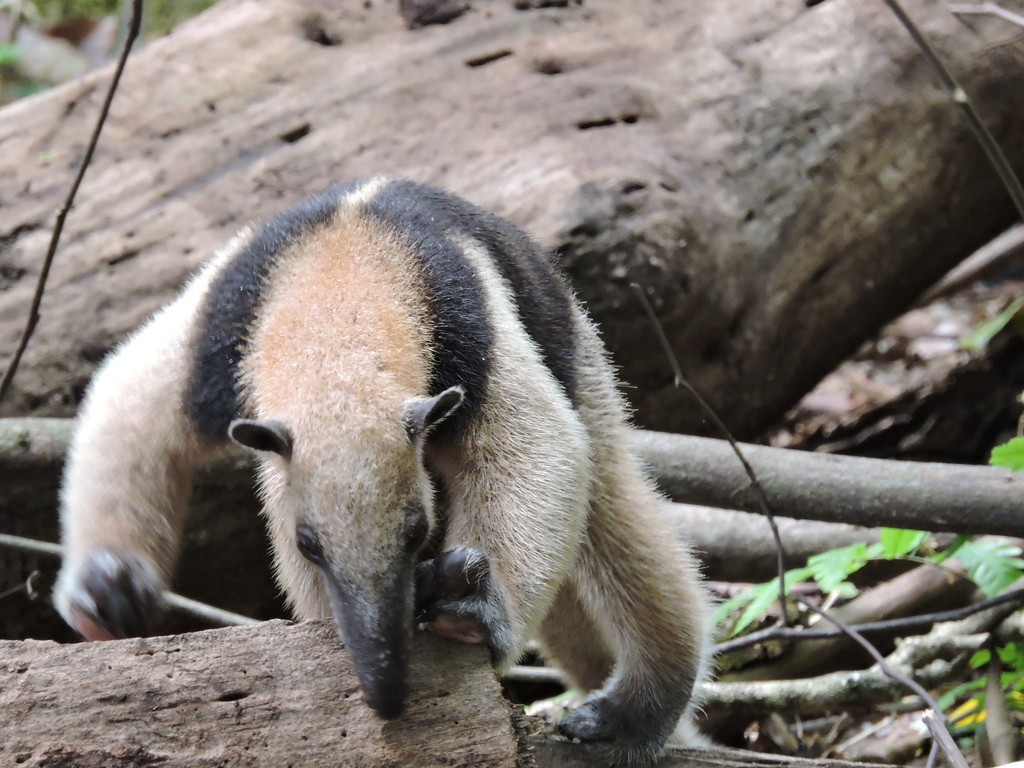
<point>905,595</point>
<point>930,659</point>
<point>816,486</point>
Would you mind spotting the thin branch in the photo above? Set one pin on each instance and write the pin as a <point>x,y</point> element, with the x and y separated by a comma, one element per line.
<point>959,96</point>
<point>30,545</point>
<point>62,214</point>
<point>873,652</point>
<point>936,725</point>
<point>26,585</point>
<point>906,623</point>
<point>186,604</point>
<point>680,381</point>
<point>529,674</point>
<point>998,725</point>
<point>988,261</point>
<point>208,612</point>
<point>934,718</point>
<point>988,9</point>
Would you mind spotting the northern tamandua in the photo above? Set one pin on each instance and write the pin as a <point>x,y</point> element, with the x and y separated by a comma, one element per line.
<point>407,367</point>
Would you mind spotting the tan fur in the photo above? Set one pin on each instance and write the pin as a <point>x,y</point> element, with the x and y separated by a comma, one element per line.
<point>550,494</point>
<point>129,470</point>
<point>636,580</point>
<point>627,578</point>
<point>340,346</point>
<point>519,478</point>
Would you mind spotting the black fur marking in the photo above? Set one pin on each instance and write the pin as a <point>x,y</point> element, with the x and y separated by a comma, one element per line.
<point>212,398</point>
<point>462,329</point>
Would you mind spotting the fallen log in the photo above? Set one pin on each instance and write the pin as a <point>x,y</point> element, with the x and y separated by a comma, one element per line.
<point>271,695</point>
<point>846,489</point>
<point>712,151</point>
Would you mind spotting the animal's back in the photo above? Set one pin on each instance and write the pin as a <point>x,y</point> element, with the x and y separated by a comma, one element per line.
<point>368,268</point>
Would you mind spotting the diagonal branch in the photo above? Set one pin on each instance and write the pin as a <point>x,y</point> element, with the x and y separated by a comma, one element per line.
<point>62,214</point>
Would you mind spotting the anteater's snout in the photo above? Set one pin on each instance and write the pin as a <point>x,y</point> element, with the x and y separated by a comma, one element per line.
<point>376,627</point>
<point>387,700</point>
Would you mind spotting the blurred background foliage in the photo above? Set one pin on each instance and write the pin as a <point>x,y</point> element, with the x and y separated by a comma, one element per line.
<point>46,42</point>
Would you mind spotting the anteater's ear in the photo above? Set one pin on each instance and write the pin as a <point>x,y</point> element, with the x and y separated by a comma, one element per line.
<point>424,413</point>
<point>272,436</point>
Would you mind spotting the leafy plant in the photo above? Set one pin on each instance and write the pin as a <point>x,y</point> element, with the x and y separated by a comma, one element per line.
<point>1010,454</point>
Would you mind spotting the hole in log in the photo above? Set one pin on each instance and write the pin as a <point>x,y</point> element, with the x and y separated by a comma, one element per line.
<point>600,122</point>
<point>234,696</point>
<point>487,58</point>
<point>549,66</point>
<point>295,134</point>
<point>314,28</point>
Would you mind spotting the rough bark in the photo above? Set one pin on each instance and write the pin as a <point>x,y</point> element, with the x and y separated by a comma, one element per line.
<point>781,179</point>
<point>270,695</point>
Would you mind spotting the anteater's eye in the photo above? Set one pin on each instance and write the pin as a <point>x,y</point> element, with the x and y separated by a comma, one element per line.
<point>415,530</point>
<point>308,544</point>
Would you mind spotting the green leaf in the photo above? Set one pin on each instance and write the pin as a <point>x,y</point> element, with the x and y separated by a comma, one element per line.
<point>830,569</point>
<point>949,698</point>
<point>8,53</point>
<point>980,658</point>
<point>1009,455</point>
<point>953,548</point>
<point>757,599</point>
<point>900,541</point>
<point>993,564</point>
<point>978,339</point>
<point>1012,655</point>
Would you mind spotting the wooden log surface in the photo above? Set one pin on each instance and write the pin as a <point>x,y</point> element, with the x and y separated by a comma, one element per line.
<point>782,179</point>
<point>273,695</point>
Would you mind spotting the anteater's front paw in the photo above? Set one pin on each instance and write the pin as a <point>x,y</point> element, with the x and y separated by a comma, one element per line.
<point>456,598</point>
<point>112,594</point>
<point>620,734</point>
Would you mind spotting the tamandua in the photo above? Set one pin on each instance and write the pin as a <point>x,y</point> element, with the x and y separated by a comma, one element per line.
<point>440,441</point>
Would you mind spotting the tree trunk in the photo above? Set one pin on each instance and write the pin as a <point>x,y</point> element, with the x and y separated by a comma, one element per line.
<point>781,179</point>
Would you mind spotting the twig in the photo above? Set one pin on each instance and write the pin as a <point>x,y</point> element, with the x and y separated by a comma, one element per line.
<point>26,585</point>
<point>30,545</point>
<point>988,9</point>
<point>998,726</point>
<point>959,96</point>
<point>874,653</point>
<point>194,607</point>
<point>934,718</point>
<point>989,260</point>
<point>680,381</point>
<point>909,622</point>
<point>527,674</point>
<point>923,656</point>
<point>208,612</point>
<point>62,214</point>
